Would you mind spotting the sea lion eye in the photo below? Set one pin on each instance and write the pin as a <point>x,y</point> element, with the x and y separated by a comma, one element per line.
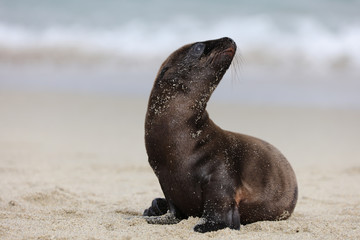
<point>198,49</point>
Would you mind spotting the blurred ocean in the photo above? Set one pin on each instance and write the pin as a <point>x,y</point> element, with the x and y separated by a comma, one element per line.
<point>293,52</point>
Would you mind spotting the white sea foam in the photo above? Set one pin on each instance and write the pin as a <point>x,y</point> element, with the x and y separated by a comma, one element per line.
<point>259,38</point>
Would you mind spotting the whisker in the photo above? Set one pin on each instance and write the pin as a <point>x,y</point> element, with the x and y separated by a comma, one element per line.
<point>236,67</point>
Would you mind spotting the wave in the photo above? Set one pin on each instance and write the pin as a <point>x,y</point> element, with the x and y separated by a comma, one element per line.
<point>260,40</point>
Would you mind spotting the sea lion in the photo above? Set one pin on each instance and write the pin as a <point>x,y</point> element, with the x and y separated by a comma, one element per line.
<point>226,178</point>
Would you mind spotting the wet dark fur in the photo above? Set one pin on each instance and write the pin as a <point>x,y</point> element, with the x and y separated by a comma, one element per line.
<point>226,178</point>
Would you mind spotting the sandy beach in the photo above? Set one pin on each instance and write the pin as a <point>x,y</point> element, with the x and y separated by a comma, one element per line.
<point>75,167</point>
<point>75,77</point>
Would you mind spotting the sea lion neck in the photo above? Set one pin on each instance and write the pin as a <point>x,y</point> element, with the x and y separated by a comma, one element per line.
<point>186,107</point>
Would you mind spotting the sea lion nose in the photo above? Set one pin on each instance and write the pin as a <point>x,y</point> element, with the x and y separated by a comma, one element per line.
<point>229,41</point>
<point>232,42</point>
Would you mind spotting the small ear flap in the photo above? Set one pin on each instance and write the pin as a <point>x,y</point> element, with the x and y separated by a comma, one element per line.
<point>163,71</point>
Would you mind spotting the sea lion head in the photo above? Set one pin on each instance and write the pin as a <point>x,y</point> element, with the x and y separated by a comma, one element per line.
<point>197,67</point>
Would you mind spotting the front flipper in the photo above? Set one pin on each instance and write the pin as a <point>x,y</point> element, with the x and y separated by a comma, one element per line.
<point>216,220</point>
<point>220,208</point>
<point>163,212</point>
<point>168,218</point>
<point>158,207</point>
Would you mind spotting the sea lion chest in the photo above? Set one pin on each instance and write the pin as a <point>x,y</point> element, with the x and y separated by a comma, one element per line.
<point>174,157</point>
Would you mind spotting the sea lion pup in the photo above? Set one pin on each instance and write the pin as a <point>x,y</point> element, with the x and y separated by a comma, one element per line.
<point>226,178</point>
